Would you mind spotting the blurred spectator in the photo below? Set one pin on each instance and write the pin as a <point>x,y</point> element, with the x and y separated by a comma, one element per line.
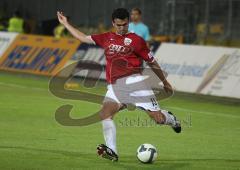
<point>30,23</point>
<point>101,27</point>
<point>137,26</point>
<point>15,23</point>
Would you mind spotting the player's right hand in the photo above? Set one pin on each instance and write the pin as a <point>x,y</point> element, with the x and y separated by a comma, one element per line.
<point>61,18</point>
<point>167,87</point>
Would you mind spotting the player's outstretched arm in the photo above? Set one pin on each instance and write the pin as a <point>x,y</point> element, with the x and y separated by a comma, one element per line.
<point>158,71</point>
<point>75,32</point>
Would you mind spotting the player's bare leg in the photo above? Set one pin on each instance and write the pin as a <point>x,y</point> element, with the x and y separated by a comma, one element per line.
<point>109,151</point>
<point>167,118</point>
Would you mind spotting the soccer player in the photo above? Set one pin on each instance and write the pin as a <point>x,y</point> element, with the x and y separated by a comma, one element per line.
<point>137,26</point>
<point>121,47</point>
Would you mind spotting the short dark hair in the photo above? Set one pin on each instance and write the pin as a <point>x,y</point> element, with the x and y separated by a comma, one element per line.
<point>138,10</point>
<point>120,13</point>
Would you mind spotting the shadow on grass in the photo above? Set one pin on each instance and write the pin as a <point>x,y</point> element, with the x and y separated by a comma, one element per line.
<point>66,153</point>
<point>126,161</point>
<point>130,162</point>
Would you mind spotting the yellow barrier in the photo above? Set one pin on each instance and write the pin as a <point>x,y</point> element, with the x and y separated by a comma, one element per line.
<point>42,55</point>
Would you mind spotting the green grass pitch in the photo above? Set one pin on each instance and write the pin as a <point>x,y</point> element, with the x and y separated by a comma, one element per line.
<point>30,137</point>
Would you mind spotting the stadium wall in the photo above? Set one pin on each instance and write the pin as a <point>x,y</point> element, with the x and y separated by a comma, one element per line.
<point>43,55</point>
<point>191,68</point>
<point>6,39</point>
<point>202,69</point>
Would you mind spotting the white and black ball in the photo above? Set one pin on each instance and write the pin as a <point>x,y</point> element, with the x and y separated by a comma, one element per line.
<point>147,153</point>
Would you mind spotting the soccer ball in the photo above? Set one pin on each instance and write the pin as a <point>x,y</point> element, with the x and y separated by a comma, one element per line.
<point>146,153</point>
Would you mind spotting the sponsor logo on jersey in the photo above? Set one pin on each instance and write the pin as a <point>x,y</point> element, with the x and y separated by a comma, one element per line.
<point>127,41</point>
<point>114,49</point>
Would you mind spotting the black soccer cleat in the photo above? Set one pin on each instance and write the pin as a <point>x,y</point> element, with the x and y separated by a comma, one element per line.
<point>177,127</point>
<point>107,153</point>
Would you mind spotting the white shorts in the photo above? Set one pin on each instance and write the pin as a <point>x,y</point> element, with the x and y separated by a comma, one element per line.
<point>132,90</point>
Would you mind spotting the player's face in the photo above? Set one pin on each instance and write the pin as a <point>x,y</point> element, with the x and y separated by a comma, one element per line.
<point>121,25</point>
<point>135,16</point>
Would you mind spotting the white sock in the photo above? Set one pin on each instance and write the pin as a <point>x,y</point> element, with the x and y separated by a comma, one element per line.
<point>109,133</point>
<point>169,118</point>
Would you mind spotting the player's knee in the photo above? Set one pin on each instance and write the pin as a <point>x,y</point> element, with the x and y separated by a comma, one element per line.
<point>157,116</point>
<point>108,110</point>
<point>106,113</point>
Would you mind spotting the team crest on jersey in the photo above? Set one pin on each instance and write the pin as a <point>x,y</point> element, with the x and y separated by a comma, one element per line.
<point>127,41</point>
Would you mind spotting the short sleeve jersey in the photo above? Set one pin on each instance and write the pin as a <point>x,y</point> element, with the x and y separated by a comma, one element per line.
<point>124,54</point>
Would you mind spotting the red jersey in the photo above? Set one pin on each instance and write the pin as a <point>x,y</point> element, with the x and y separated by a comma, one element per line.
<point>124,54</point>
